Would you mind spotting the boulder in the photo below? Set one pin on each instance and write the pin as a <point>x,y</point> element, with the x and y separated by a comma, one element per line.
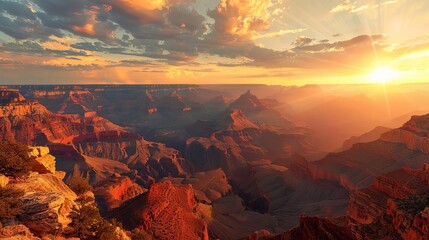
<point>3,181</point>
<point>42,161</point>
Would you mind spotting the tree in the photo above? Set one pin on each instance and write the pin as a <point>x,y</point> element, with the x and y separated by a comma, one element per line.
<point>10,205</point>
<point>14,159</point>
<point>88,223</point>
<point>139,234</point>
<point>79,184</point>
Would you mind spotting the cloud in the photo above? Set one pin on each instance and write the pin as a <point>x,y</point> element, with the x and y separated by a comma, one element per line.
<point>354,7</point>
<point>8,61</point>
<point>34,48</point>
<point>348,6</point>
<point>237,20</point>
<point>303,41</point>
<point>352,54</point>
<point>279,33</point>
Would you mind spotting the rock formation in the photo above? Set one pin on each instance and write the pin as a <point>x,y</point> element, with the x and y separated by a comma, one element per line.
<point>16,232</point>
<point>398,200</point>
<point>166,212</point>
<point>396,206</point>
<point>43,162</point>
<point>116,191</point>
<point>239,140</point>
<point>31,123</point>
<point>358,166</point>
<point>47,202</point>
<point>151,160</point>
<point>260,110</point>
<point>370,136</point>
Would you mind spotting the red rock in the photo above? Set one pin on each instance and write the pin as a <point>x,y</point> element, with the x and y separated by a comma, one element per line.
<point>314,228</point>
<point>31,123</point>
<point>166,212</point>
<point>115,191</point>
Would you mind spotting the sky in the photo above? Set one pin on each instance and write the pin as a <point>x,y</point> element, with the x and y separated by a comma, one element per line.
<point>282,42</point>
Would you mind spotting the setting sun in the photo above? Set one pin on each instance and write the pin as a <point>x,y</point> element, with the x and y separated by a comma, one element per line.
<point>383,75</point>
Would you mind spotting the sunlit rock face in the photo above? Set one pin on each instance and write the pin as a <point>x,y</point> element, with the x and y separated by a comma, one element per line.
<point>47,202</point>
<point>31,123</point>
<point>238,140</point>
<point>17,232</point>
<point>395,206</point>
<point>115,191</point>
<point>151,160</point>
<point>397,200</point>
<point>358,166</point>
<point>166,211</point>
<point>42,161</point>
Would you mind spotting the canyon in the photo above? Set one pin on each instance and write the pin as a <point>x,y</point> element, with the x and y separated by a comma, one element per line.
<point>221,162</point>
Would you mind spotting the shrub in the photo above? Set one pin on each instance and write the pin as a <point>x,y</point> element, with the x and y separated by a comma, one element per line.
<point>14,159</point>
<point>87,222</point>
<point>79,184</point>
<point>10,206</point>
<point>138,234</point>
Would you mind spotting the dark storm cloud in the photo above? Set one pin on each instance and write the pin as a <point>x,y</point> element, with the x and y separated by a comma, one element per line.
<point>18,21</point>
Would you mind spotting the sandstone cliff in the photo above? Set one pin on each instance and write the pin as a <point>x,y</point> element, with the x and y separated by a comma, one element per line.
<point>395,206</point>
<point>358,166</point>
<point>31,123</point>
<point>115,191</point>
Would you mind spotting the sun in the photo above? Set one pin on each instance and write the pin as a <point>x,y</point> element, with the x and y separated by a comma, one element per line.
<point>383,75</point>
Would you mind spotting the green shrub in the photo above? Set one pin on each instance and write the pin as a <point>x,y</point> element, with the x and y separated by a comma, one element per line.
<point>87,222</point>
<point>79,184</point>
<point>14,159</point>
<point>10,205</point>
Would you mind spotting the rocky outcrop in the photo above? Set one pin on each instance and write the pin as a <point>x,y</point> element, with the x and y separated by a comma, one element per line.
<point>259,110</point>
<point>370,136</point>
<point>398,200</point>
<point>150,159</point>
<point>44,183</point>
<point>95,169</point>
<point>224,212</point>
<point>166,211</point>
<point>42,161</point>
<point>358,166</point>
<point>32,124</point>
<point>46,212</point>
<point>47,201</point>
<point>67,101</point>
<point>248,102</point>
<point>208,186</point>
<point>8,96</point>
<point>16,232</point>
<point>414,134</point>
<point>314,228</point>
<point>396,206</point>
<point>115,191</point>
<point>239,140</point>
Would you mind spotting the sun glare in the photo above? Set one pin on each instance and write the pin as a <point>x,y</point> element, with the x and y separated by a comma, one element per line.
<point>383,75</point>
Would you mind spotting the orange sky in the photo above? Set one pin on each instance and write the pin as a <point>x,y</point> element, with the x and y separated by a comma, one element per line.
<point>200,41</point>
